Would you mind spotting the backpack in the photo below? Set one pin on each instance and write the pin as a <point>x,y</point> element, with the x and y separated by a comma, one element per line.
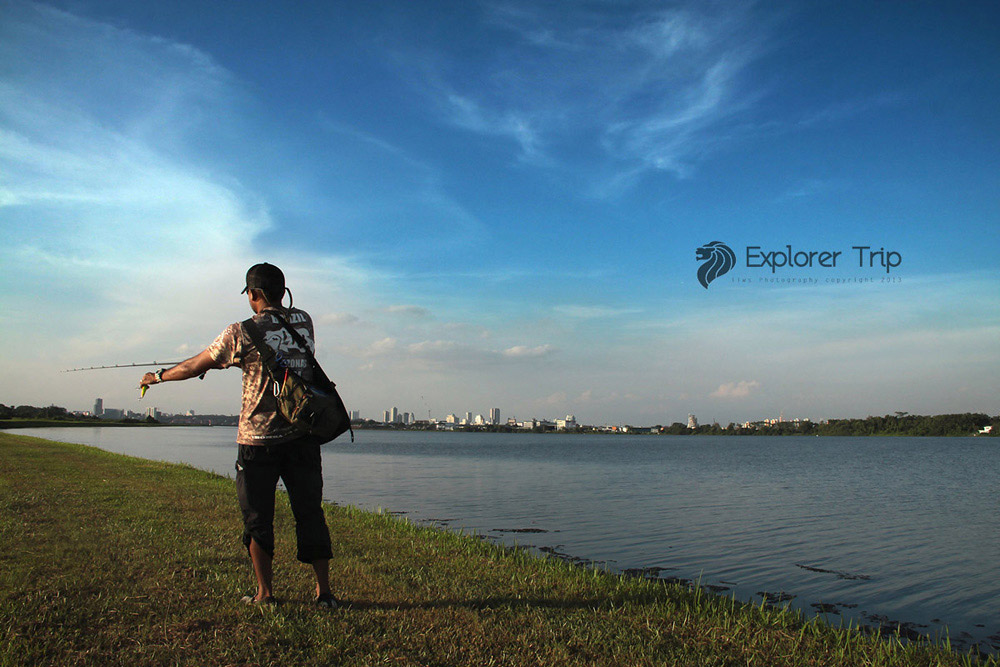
<point>312,408</point>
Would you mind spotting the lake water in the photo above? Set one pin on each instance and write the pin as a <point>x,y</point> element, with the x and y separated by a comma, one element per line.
<point>870,530</point>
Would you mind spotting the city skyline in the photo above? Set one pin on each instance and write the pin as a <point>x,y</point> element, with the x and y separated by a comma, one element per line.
<point>394,416</point>
<point>501,203</point>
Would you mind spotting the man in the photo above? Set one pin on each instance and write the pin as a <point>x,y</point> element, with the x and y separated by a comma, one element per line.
<point>269,447</point>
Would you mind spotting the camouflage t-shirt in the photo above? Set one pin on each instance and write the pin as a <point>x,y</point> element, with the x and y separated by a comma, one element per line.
<point>260,423</point>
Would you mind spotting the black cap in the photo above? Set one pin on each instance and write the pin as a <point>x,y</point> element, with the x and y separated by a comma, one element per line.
<point>265,277</point>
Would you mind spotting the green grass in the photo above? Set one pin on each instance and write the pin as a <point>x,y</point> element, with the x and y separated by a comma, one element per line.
<point>112,560</point>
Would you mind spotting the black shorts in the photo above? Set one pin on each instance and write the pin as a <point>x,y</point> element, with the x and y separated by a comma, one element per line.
<point>299,465</point>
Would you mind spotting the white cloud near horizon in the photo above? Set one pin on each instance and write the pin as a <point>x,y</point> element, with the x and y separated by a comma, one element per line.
<point>821,351</point>
<point>523,351</point>
<point>408,310</point>
<point>593,312</point>
<point>339,318</point>
<point>739,389</point>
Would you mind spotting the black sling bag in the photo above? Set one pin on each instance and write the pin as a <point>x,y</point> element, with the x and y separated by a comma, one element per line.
<point>313,408</point>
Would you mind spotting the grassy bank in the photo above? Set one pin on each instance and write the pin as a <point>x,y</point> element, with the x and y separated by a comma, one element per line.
<point>115,560</point>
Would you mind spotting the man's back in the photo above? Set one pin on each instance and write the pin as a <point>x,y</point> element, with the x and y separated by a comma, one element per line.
<point>260,423</point>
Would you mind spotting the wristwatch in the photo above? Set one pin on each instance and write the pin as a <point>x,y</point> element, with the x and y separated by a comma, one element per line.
<point>159,375</point>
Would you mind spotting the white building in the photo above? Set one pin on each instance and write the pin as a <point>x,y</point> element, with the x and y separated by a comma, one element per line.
<point>568,423</point>
<point>692,421</point>
<point>494,416</point>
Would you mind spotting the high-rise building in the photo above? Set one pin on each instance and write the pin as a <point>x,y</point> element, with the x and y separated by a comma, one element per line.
<point>98,407</point>
<point>494,416</point>
<point>355,415</point>
<point>692,421</point>
<point>394,415</point>
<point>406,417</point>
<point>468,417</point>
<point>451,419</point>
<point>386,416</point>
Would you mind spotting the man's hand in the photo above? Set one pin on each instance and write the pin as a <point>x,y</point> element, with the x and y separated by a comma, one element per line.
<point>189,368</point>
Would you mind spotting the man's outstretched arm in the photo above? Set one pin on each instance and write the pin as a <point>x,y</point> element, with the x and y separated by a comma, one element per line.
<point>189,368</point>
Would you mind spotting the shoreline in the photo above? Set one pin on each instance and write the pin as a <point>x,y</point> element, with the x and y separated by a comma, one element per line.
<point>56,423</point>
<point>417,594</point>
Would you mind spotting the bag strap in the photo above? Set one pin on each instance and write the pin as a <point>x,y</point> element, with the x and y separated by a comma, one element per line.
<point>267,355</point>
<point>297,337</point>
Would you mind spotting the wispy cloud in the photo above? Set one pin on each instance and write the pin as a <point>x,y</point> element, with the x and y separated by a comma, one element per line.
<point>466,113</point>
<point>653,90</point>
<point>110,212</point>
<point>93,200</point>
<point>415,199</point>
<point>843,110</point>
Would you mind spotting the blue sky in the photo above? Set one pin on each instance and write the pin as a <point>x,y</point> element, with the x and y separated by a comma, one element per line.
<point>497,204</point>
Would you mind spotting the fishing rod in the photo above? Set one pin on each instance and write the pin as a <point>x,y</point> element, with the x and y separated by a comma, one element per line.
<point>98,368</point>
<point>142,389</point>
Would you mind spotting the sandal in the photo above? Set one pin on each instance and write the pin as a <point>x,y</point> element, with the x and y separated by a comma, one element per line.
<point>251,599</point>
<point>327,601</point>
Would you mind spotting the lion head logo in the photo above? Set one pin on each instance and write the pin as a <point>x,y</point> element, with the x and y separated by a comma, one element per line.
<point>719,259</point>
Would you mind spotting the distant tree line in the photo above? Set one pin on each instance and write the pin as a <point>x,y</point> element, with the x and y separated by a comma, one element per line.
<point>900,423</point>
<point>56,413</point>
<point>31,412</point>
